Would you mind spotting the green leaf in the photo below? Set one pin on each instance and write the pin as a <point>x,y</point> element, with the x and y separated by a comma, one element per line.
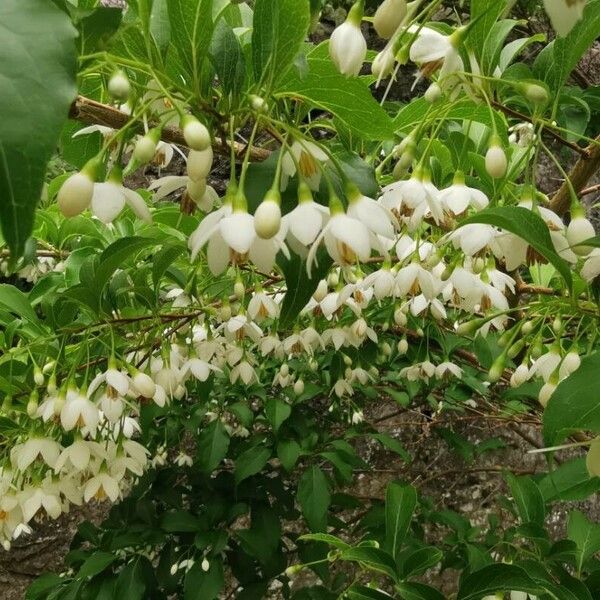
<point>191,31</point>
<point>314,498</point>
<point>228,58</point>
<point>164,259</point>
<point>372,558</point>
<point>279,29</point>
<point>288,452</point>
<point>483,16</point>
<point>16,302</point>
<point>569,482</point>
<point>586,535</point>
<point>250,462</point>
<point>417,562</point>
<point>555,63</point>
<point>418,591</point>
<point>201,585</point>
<point>496,578</point>
<point>37,70</point>
<point>575,404</point>
<point>528,499</point>
<point>400,504</point>
<point>41,586</point>
<point>113,257</point>
<point>131,583</point>
<point>213,443</point>
<point>95,564</point>
<point>350,100</point>
<point>325,538</point>
<point>180,521</point>
<point>527,225</point>
<point>300,287</point>
<point>277,411</point>
<point>360,592</point>
<point>96,29</point>
<point>392,444</point>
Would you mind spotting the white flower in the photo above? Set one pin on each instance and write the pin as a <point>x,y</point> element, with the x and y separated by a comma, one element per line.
<point>101,486</point>
<point>34,498</point>
<point>78,411</point>
<point>347,46</point>
<point>388,17</point>
<point>243,371</point>
<point>458,197</point>
<point>346,239</point>
<point>546,364</point>
<point>75,194</point>
<point>110,198</point>
<point>414,279</point>
<point>580,230</point>
<point>591,268</point>
<point>305,222</point>
<point>374,215</point>
<point>472,238</point>
<point>382,281</point>
<point>564,14</point>
<point>309,157</point>
<point>78,454</point>
<point>262,306</point>
<point>448,368</point>
<point>199,368</point>
<point>23,455</point>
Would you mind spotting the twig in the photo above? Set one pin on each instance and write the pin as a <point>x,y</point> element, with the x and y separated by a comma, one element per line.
<point>582,172</point>
<point>91,112</point>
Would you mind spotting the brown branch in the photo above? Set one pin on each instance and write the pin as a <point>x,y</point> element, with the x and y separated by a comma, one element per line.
<point>582,172</point>
<point>91,112</point>
<point>590,190</point>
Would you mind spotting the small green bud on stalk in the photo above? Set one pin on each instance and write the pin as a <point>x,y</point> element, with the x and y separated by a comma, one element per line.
<point>38,376</point>
<point>527,328</point>
<point>516,348</point>
<point>196,135</point>
<point>119,86</point>
<point>505,338</point>
<point>497,368</point>
<point>32,404</point>
<point>433,93</point>
<point>535,93</point>
<point>403,346</point>
<point>258,103</point>
<point>239,290</point>
<point>557,325</point>
<point>537,349</point>
<point>299,387</point>
<point>469,327</point>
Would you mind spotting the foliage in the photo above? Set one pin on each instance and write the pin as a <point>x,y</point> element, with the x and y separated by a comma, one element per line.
<point>211,362</point>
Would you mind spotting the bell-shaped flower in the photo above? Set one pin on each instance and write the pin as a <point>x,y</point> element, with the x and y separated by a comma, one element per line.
<point>78,455</point>
<point>23,455</point>
<point>346,239</point>
<point>100,487</point>
<point>564,14</point>
<point>32,499</point>
<point>78,411</point>
<point>347,46</point>
<point>378,219</point>
<point>458,197</point>
<point>262,306</point>
<point>306,221</point>
<point>308,158</point>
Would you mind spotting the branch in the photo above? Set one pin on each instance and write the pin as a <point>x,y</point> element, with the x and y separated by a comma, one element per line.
<point>582,172</point>
<point>91,112</point>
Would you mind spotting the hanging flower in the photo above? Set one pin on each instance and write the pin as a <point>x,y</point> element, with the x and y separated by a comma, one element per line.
<point>347,46</point>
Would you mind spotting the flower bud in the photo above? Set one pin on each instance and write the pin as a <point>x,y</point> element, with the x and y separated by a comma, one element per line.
<point>299,387</point>
<point>433,93</point>
<point>196,190</point>
<point>145,147</point>
<point>347,46</point>
<point>497,369</point>
<point>75,195</point>
<point>205,565</point>
<point>557,325</point>
<point>38,376</point>
<point>321,291</point>
<point>144,384</point>
<point>516,348</point>
<point>383,64</point>
<point>239,290</point>
<point>527,328</point>
<point>199,163</point>
<point>258,104</point>
<point>32,404</point>
<point>535,93</point>
<point>495,159</point>
<point>403,346</point>
<point>570,363</point>
<point>520,375</point>
<point>579,230</point>
<point>400,317</point>
<point>196,135</point>
<point>389,17</point>
<point>592,459</point>
<point>546,393</point>
<point>514,595</point>
<point>119,86</point>
<point>225,312</point>
<point>386,349</point>
<point>267,218</point>
<point>284,370</point>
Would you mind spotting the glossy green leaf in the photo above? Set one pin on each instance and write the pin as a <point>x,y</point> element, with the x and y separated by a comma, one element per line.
<point>483,16</point>
<point>527,225</point>
<point>180,521</point>
<point>277,411</point>
<point>419,561</point>
<point>204,585</point>
<point>569,481</point>
<point>228,58</point>
<point>314,498</point>
<point>586,535</point>
<point>250,462</point>
<point>373,559</point>
<point>132,581</point>
<point>95,564</point>
<point>213,443</point>
<point>411,590</point>
<point>400,504</point>
<point>350,100</point>
<point>38,43</point>
<point>497,578</point>
<point>279,28</point>
<point>288,452</point>
<point>16,302</point>
<point>191,31</point>
<point>575,404</point>
<point>528,499</point>
<point>325,538</point>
